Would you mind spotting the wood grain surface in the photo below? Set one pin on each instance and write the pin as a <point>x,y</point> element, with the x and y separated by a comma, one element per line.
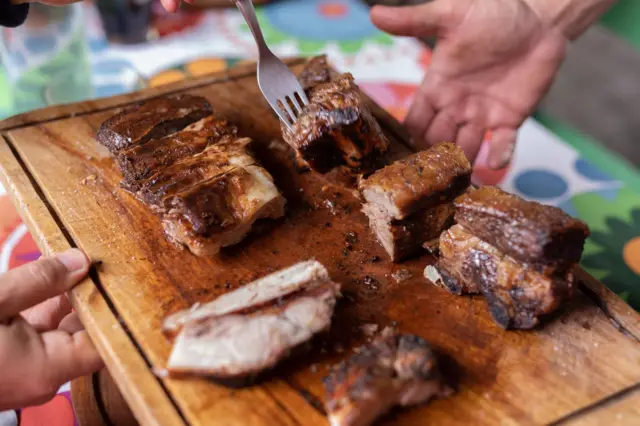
<point>66,187</point>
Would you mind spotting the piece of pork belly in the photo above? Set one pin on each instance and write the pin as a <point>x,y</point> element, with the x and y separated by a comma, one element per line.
<point>151,119</point>
<point>528,231</point>
<point>335,128</point>
<point>142,160</point>
<point>250,330</point>
<point>409,202</point>
<point>220,212</point>
<point>404,238</point>
<point>393,370</point>
<point>274,286</point>
<point>420,180</point>
<point>517,295</point>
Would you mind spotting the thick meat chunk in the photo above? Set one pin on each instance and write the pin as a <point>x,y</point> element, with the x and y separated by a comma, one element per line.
<point>392,370</point>
<point>404,238</point>
<point>251,329</point>
<point>336,127</point>
<point>220,212</point>
<point>525,230</point>
<point>151,120</point>
<point>516,294</point>
<point>141,161</point>
<point>420,180</point>
<point>410,201</point>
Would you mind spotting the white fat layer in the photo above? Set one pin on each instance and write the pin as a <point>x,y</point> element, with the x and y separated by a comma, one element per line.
<point>237,345</point>
<point>271,287</point>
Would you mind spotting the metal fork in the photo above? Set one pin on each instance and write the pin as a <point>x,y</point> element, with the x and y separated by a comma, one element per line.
<point>277,83</point>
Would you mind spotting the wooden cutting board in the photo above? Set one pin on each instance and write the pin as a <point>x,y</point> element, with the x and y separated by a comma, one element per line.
<point>584,364</point>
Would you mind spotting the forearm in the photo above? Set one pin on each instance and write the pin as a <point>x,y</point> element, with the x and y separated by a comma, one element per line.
<point>572,17</point>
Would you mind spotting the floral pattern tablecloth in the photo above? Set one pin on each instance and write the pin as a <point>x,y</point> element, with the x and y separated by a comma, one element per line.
<point>572,173</point>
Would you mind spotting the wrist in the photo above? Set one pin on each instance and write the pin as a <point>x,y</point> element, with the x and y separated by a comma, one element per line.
<point>571,17</point>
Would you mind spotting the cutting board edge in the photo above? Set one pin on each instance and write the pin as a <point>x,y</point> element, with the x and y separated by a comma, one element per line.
<point>126,365</point>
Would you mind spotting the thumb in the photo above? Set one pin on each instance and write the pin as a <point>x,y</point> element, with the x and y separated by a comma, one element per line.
<point>429,19</point>
<point>38,281</point>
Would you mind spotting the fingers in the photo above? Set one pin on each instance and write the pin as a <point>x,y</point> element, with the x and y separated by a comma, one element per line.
<point>418,120</point>
<point>429,19</point>
<point>443,128</point>
<point>71,323</point>
<point>33,366</point>
<point>470,138</point>
<point>38,281</point>
<point>70,355</point>
<point>48,314</point>
<point>503,142</point>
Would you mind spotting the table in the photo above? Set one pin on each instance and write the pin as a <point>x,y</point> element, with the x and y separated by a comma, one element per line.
<point>565,170</point>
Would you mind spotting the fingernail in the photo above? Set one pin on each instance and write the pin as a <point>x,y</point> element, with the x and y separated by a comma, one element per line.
<point>497,162</point>
<point>73,259</point>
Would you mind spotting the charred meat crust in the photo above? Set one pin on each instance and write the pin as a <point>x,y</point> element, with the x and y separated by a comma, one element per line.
<point>418,181</point>
<point>336,128</point>
<point>152,119</point>
<point>530,232</point>
<point>392,370</point>
<point>142,160</point>
<point>202,180</point>
<point>517,295</point>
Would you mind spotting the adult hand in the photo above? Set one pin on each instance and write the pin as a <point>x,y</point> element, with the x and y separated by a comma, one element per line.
<point>42,343</point>
<point>492,63</point>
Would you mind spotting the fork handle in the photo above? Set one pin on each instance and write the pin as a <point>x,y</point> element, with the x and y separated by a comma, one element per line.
<point>249,12</point>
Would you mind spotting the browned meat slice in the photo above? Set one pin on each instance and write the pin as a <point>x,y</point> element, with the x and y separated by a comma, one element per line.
<point>404,238</point>
<point>420,180</point>
<point>251,329</point>
<point>528,231</point>
<point>220,212</point>
<point>151,120</point>
<point>516,294</point>
<point>409,202</point>
<point>336,127</point>
<point>200,168</point>
<point>392,370</point>
<point>141,161</point>
<point>315,72</point>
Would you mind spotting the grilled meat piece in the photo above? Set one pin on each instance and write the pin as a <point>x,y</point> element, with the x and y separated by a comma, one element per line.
<point>421,180</point>
<point>254,295</point>
<point>410,201</point>
<point>392,370</point>
<point>151,120</point>
<point>140,161</point>
<point>216,160</point>
<point>336,127</point>
<point>528,231</point>
<point>404,238</point>
<point>516,294</point>
<point>251,329</point>
<point>221,211</point>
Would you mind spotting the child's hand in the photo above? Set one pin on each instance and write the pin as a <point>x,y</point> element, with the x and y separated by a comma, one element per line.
<point>42,343</point>
<point>493,62</point>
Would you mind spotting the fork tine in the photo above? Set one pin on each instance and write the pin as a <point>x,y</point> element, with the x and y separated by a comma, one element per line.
<point>291,101</point>
<point>299,101</point>
<point>287,108</point>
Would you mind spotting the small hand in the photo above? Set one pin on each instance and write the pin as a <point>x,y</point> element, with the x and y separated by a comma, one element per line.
<point>493,62</point>
<point>42,343</point>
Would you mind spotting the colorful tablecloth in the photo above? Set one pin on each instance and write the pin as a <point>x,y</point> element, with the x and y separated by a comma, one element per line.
<point>575,174</point>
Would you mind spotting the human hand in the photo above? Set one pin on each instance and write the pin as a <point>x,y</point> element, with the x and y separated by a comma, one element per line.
<point>493,62</point>
<point>42,343</point>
